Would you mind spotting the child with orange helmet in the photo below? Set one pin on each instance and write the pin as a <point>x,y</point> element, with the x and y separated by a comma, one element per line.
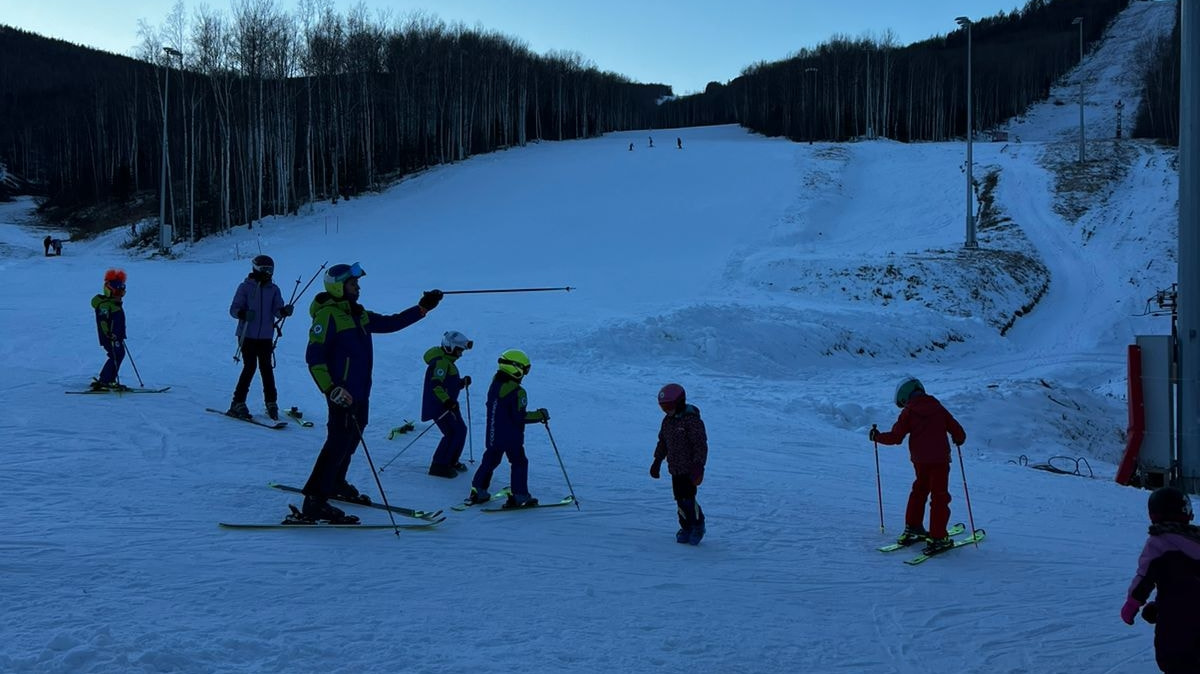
<point>110,327</point>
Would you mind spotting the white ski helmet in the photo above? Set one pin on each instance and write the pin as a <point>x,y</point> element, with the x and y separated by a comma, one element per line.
<point>454,339</point>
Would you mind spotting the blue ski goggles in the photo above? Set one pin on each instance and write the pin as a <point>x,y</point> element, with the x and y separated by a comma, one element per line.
<point>345,272</point>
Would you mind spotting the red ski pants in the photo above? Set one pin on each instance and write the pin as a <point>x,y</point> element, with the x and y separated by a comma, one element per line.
<point>932,482</point>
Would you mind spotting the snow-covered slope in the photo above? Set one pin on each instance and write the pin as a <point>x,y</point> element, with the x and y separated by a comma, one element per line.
<point>786,286</point>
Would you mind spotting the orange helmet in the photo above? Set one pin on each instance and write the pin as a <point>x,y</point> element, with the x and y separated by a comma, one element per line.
<point>114,283</point>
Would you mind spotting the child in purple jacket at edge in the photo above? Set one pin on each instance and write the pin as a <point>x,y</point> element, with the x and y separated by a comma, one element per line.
<point>1170,563</point>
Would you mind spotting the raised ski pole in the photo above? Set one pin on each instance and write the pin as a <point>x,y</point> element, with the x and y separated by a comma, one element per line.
<point>414,440</point>
<point>505,290</point>
<point>292,302</point>
<point>878,481</point>
<point>135,370</point>
<point>574,499</point>
<point>470,438</point>
<point>970,516</point>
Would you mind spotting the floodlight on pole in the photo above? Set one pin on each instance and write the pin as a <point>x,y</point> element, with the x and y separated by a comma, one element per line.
<point>970,243</point>
<point>812,113</point>
<point>1078,21</point>
<point>163,238</point>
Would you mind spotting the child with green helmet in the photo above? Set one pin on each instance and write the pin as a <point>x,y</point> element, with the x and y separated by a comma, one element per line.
<point>926,423</point>
<point>507,417</point>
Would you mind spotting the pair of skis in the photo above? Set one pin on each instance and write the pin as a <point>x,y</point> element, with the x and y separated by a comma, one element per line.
<point>120,391</point>
<point>953,530</point>
<point>429,519</point>
<point>504,494</point>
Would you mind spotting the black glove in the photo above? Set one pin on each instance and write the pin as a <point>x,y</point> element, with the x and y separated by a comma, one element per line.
<point>1150,613</point>
<point>656,469</point>
<point>466,381</point>
<point>287,310</point>
<point>451,405</point>
<point>429,299</point>
<point>545,413</point>
<point>241,314</point>
<point>874,433</point>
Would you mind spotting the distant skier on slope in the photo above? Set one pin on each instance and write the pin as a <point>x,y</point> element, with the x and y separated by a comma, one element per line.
<point>110,327</point>
<point>683,442</point>
<point>506,421</point>
<point>927,423</point>
<point>340,359</point>
<point>439,402</point>
<point>1170,563</point>
<point>256,304</point>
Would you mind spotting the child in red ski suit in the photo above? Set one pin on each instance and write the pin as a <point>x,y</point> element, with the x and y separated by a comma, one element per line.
<point>927,423</point>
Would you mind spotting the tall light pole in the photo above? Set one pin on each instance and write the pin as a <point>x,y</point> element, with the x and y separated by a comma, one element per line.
<point>1189,244</point>
<point>813,112</point>
<point>1078,21</point>
<point>966,23</point>
<point>163,238</point>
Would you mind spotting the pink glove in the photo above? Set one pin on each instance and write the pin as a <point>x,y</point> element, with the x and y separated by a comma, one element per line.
<point>1130,610</point>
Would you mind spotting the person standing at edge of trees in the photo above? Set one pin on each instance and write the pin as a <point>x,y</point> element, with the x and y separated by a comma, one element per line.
<point>256,304</point>
<point>340,359</point>
<point>439,402</point>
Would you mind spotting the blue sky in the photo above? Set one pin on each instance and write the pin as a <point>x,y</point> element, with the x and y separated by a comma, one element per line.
<point>682,43</point>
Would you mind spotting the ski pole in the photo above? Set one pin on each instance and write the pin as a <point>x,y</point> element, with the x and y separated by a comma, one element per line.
<point>560,464</point>
<point>414,440</point>
<point>237,355</point>
<point>970,515</point>
<point>470,438</point>
<point>363,441</point>
<point>292,302</point>
<point>135,370</point>
<point>878,481</point>
<point>505,290</point>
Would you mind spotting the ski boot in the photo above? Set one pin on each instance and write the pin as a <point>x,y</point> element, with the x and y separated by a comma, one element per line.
<point>238,409</point>
<point>514,502</point>
<point>319,510</point>
<point>936,545</point>
<point>442,470</point>
<point>912,536</point>
<point>683,535</point>
<point>460,466</point>
<point>478,496</point>
<point>350,494</point>
<point>273,411</point>
<point>696,534</point>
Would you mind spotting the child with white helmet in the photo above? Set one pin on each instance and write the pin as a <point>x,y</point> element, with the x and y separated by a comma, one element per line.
<point>443,383</point>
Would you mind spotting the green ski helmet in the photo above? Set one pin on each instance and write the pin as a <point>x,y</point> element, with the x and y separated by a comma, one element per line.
<point>514,363</point>
<point>338,274</point>
<point>907,387</point>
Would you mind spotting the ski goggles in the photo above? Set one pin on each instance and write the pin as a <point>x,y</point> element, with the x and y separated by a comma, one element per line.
<point>267,269</point>
<point>116,285</point>
<point>345,272</point>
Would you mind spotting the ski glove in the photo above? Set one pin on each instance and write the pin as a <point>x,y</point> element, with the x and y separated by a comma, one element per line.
<point>656,469</point>
<point>697,476</point>
<point>1130,609</point>
<point>466,381</point>
<point>450,404</point>
<point>287,310</point>
<point>340,397</point>
<point>429,299</point>
<point>241,314</point>
<point>873,434</point>
<point>545,413</point>
<point>1150,613</point>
